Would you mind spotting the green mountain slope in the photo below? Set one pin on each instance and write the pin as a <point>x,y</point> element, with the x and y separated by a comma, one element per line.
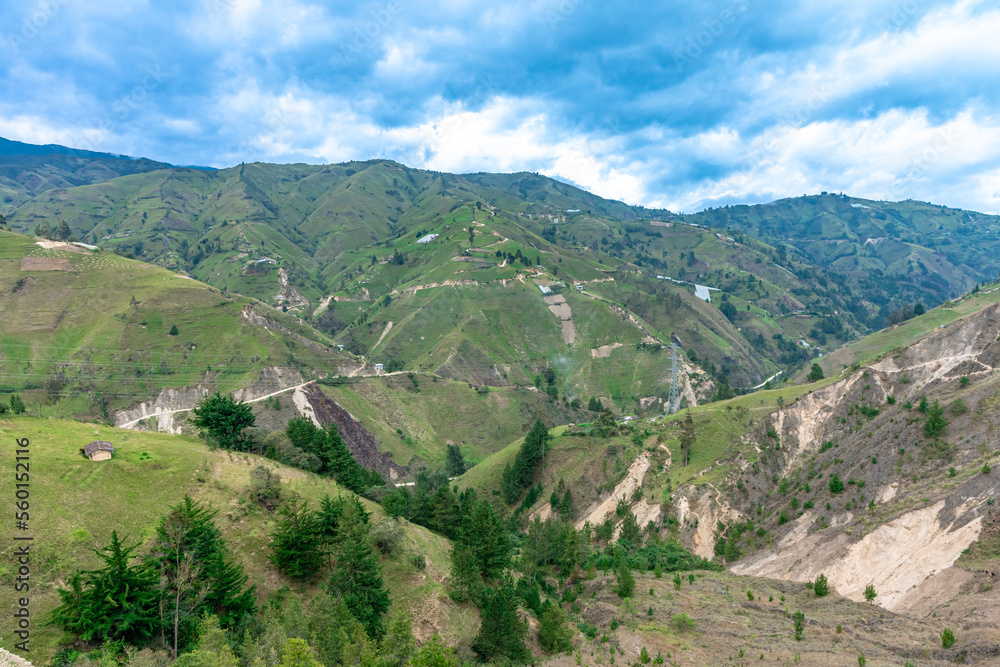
<point>85,332</point>
<point>76,503</point>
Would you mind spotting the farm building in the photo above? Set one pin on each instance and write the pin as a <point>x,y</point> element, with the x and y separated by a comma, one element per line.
<point>98,450</point>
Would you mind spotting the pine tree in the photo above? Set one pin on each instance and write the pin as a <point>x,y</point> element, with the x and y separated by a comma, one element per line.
<point>227,595</point>
<point>484,533</point>
<point>398,646</point>
<point>444,512</point>
<point>454,464</point>
<point>630,531</point>
<point>118,601</point>
<point>224,420</point>
<point>519,476</point>
<point>330,626</point>
<point>566,505</point>
<point>816,373</point>
<point>298,653</point>
<point>297,541</point>
<point>502,632</point>
<point>687,437</point>
<point>466,582</point>
<point>625,586</point>
<point>553,634</point>
<point>357,576</point>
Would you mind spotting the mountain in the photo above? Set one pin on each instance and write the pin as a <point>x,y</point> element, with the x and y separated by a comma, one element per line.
<point>341,234</point>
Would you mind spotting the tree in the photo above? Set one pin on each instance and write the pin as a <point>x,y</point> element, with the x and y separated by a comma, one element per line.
<point>298,653</point>
<point>553,634</point>
<point>870,593</point>
<point>173,330</point>
<point>16,404</point>
<point>519,475</point>
<point>454,464</point>
<point>816,373</point>
<point>227,595</point>
<point>687,437</point>
<point>118,601</point>
<point>919,309</point>
<point>502,632</point>
<point>835,484</point>
<point>800,623</point>
<point>62,231</point>
<point>435,653</point>
<point>466,582</point>
<point>935,424</point>
<point>488,539</point>
<point>947,638</point>
<point>630,531</point>
<point>330,626</point>
<point>356,575</point>
<point>594,405</point>
<point>296,543</point>
<point>224,419</point>
<point>398,646</point>
<point>625,581</point>
<point>821,586</point>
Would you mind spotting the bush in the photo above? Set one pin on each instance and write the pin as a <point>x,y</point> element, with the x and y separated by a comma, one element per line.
<point>836,485</point>
<point>682,622</point>
<point>173,330</point>
<point>958,407</point>
<point>387,536</point>
<point>265,484</point>
<point>821,586</point>
<point>947,638</point>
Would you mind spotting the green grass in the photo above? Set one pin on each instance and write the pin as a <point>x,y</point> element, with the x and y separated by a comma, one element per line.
<point>76,503</point>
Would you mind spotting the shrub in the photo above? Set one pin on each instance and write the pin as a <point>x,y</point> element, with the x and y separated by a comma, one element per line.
<point>682,622</point>
<point>821,586</point>
<point>958,407</point>
<point>387,536</point>
<point>947,638</point>
<point>173,330</point>
<point>836,486</point>
<point>800,624</point>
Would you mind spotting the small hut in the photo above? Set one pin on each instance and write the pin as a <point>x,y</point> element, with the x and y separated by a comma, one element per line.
<point>98,450</point>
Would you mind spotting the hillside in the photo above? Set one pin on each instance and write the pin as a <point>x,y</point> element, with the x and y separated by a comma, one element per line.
<point>331,242</point>
<point>87,333</point>
<point>77,503</point>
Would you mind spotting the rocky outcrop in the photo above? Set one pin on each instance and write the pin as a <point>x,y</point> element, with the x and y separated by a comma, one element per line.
<point>359,440</point>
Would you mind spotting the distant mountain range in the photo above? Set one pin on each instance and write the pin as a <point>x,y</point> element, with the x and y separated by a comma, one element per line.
<point>337,246</point>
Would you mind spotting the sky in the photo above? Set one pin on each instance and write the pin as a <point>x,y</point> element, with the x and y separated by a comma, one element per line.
<point>678,105</point>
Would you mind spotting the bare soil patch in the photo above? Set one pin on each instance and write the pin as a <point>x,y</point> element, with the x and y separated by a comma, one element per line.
<point>46,264</point>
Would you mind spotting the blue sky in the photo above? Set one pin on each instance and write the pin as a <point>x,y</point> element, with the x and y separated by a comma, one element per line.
<point>681,105</point>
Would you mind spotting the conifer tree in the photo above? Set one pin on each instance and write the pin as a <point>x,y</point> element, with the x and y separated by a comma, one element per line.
<point>118,601</point>
<point>226,592</point>
<point>687,437</point>
<point>330,626</point>
<point>357,577</point>
<point>296,542</point>
<point>298,653</point>
<point>484,533</point>
<point>502,632</point>
<point>454,464</point>
<point>398,646</point>
<point>466,582</point>
<point>224,419</point>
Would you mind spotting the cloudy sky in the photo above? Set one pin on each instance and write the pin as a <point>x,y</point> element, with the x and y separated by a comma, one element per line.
<point>673,104</point>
